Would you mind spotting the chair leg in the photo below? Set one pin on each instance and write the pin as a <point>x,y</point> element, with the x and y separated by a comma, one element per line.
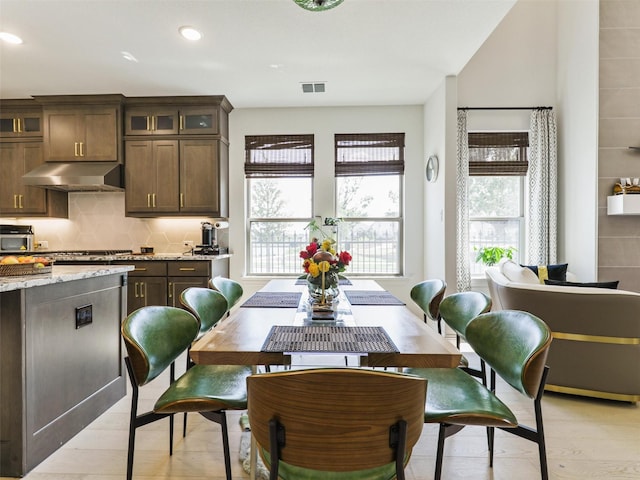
<point>491,432</point>
<point>184,425</point>
<point>220,418</point>
<point>542,450</point>
<point>440,452</point>
<point>132,432</point>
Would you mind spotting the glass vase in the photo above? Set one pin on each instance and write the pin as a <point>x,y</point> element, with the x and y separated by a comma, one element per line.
<point>330,292</point>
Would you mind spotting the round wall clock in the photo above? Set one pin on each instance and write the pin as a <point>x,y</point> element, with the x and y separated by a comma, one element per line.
<point>432,168</point>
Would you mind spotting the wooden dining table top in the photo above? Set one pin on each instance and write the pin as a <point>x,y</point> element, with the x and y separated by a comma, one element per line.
<point>239,338</point>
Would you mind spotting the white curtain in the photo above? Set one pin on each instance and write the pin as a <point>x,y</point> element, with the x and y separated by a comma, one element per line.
<point>543,189</point>
<point>463,274</point>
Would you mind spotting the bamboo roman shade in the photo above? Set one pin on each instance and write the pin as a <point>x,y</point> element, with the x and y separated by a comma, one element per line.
<point>278,156</point>
<point>361,154</point>
<point>498,153</point>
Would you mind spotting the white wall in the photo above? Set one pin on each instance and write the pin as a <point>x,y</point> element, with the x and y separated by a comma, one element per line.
<point>440,129</point>
<point>323,123</point>
<point>544,53</point>
<point>578,132</point>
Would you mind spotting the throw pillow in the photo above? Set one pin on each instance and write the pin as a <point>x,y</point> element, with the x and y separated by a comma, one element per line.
<point>551,272</point>
<point>612,285</point>
<point>517,273</point>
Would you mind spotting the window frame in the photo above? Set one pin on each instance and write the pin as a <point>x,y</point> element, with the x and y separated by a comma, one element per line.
<point>273,170</point>
<point>487,168</point>
<point>380,165</point>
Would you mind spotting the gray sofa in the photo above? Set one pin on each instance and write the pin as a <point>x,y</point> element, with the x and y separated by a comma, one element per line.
<point>596,346</point>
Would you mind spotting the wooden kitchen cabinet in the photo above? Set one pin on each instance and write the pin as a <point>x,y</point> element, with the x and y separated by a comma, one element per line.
<point>159,282</point>
<point>176,177</point>
<point>82,127</point>
<point>85,134</point>
<point>20,118</point>
<point>179,115</point>
<point>17,199</point>
<point>151,177</point>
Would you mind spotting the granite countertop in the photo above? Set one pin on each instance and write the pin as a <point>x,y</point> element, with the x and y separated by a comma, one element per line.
<point>59,274</point>
<point>136,257</point>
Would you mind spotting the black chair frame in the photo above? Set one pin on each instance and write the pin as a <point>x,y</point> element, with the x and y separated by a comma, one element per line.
<point>146,418</point>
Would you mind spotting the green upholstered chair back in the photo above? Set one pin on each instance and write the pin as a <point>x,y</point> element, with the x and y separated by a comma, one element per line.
<point>336,419</point>
<point>231,289</point>
<point>207,305</point>
<point>428,295</point>
<point>154,337</point>
<point>515,344</point>
<point>458,309</point>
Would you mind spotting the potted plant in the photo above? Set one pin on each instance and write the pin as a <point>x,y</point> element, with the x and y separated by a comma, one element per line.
<point>492,255</point>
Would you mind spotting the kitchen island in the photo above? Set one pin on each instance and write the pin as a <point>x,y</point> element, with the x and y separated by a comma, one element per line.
<point>61,358</point>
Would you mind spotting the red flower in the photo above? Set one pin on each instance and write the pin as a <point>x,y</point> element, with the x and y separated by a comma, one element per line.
<point>345,258</point>
<point>309,251</point>
<point>305,265</point>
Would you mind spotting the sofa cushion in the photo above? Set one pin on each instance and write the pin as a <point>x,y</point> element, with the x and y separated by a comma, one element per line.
<point>551,272</point>
<point>613,284</point>
<point>517,273</point>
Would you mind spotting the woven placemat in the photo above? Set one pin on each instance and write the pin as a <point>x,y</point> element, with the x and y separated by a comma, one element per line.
<point>273,300</point>
<point>329,339</point>
<point>341,281</point>
<point>372,297</point>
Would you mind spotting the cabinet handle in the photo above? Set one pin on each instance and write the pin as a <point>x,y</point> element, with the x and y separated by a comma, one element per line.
<point>135,289</point>
<point>153,123</point>
<point>15,125</point>
<point>170,290</point>
<point>20,201</point>
<point>15,201</point>
<point>154,199</point>
<point>182,200</point>
<point>181,122</point>
<point>75,149</point>
<point>143,292</point>
<point>148,200</point>
<point>187,269</point>
<point>148,123</point>
<point>82,149</point>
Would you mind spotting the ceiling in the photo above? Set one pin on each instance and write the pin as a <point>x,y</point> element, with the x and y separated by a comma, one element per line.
<point>256,52</point>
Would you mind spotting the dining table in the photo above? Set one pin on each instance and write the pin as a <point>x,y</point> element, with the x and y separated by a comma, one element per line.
<point>273,326</point>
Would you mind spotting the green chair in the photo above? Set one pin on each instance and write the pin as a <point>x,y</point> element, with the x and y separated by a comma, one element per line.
<point>231,290</point>
<point>209,307</point>
<point>428,295</point>
<point>457,310</point>
<point>154,337</point>
<point>336,423</point>
<point>515,345</point>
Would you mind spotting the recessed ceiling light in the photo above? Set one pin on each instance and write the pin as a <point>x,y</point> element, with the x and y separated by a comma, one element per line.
<point>190,33</point>
<point>129,56</point>
<point>10,38</point>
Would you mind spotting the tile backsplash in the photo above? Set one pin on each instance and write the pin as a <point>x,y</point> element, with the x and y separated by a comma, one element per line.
<point>97,222</point>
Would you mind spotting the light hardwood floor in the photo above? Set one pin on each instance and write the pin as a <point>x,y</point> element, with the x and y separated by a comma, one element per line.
<point>586,439</point>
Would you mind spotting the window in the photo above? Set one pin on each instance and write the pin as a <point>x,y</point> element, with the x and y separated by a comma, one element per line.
<point>369,171</point>
<point>497,168</point>
<point>279,172</point>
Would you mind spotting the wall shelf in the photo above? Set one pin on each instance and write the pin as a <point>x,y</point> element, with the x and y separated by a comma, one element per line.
<point>628,204</point>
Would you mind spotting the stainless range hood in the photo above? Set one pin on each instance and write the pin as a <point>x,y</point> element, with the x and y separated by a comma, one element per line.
<point>77,176</point>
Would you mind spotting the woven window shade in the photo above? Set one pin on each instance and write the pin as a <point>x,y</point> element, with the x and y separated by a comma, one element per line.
<point>278,156</point>
<point>362,154</point>
<point>498,153</point>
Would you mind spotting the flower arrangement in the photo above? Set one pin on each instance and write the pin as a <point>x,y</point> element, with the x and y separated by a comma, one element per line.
<point>322,258</point>
<point>322,265</point>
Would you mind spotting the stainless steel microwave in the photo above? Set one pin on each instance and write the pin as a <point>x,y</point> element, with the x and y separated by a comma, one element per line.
<point>16,238</point>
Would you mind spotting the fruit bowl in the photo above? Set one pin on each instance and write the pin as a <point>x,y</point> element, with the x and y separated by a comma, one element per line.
<point>12,265</point>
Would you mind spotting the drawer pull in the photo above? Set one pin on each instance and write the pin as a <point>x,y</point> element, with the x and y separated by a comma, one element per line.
<point>140,269</point>
<point>187,269</point>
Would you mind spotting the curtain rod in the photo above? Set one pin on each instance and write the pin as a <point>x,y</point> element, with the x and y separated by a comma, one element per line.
<point>505,108</point>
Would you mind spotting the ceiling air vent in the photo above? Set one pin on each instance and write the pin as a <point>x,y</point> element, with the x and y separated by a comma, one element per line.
<point>316,87</point>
